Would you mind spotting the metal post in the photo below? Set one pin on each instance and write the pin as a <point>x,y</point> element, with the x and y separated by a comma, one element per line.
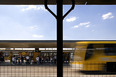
<point>59,17</point>
<point>59,38</point>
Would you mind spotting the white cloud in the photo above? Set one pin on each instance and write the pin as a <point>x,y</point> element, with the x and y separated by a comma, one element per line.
<point>85,24</point>
<point>37,36</point>
<point>107,16</point>
<point>33,27</point>
<point>32,7</point>
<point>76,26</point>
<point>71,19</point>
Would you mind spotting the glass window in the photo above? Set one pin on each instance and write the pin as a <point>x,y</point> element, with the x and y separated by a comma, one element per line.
<point>110,49</point>
<point>89,52</point>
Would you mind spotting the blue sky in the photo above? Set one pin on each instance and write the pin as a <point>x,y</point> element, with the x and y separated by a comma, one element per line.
<point>33,22</point>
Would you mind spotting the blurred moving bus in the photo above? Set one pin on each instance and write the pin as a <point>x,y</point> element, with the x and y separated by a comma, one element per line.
<point>95,56</point>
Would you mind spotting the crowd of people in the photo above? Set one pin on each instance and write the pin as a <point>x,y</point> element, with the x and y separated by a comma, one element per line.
<point>30,60</point>
<point>26,59</point>
<point>40,60</point>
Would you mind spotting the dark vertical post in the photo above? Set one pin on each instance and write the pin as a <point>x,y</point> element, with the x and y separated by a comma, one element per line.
<point>59,38</point>
<point>59,17</point>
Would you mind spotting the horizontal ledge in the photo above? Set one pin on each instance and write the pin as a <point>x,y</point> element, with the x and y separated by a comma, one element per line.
<point>53,2</point>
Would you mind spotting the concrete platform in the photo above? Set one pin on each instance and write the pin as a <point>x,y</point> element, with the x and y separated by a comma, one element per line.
<point>44,71</point>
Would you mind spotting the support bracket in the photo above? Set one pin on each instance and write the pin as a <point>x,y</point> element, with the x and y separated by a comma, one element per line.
<point>73,5</point>
<point>45,4</point>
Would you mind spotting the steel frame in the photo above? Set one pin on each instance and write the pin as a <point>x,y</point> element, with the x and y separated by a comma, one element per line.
<point>59,17</point>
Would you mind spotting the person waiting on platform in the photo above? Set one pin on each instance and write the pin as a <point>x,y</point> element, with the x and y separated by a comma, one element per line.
<point>16,59</point>
<point>37,59</point>
<point>19,60</point>
<point>55,59</point>
<point>13,60</point>
<point>47,58</point>
<point>31,61</point>
<point>27,59</point>
<point>42,59</point>
<point>51,59</point>
<point>22,59</point>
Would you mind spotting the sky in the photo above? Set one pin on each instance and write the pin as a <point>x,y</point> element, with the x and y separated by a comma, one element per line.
<point>34,22</point>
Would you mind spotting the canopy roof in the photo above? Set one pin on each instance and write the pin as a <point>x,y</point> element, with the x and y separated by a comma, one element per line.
<point>53,2</point>
<point>34,44</point>
<point>39,43</point>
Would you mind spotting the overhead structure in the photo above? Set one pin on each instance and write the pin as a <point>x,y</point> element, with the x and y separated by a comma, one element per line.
<point>35,43</point>
<point>53,2</point>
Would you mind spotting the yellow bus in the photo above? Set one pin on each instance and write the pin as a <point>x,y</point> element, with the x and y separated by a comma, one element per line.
<point>95,56</point>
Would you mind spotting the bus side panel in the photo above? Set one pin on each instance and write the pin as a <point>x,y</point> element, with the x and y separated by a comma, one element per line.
<point>79,56</point>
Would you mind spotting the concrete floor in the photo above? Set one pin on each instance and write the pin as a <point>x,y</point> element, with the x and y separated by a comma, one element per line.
<point>44,71</point>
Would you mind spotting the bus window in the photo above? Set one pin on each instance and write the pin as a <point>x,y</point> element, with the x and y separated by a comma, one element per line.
<point>110,49</point>
<point>89,51</point>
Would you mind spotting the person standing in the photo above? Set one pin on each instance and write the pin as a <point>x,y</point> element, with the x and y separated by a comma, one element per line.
<point>27,59</point>
<point>37,59</point>
<point>42,60</point>
<point>22,59</point>
<point>13,60</point>
<point>16,60</point>
<point>47,59</point>
<point>51,59</point>
<point>55,59</point>
<point>19,59</point>
<point>31,61</point>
